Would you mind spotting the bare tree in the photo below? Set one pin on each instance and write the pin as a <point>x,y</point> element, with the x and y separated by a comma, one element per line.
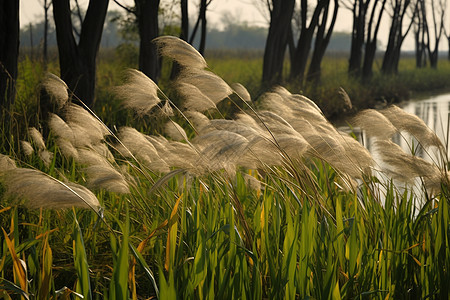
<point>277,40</point>
<point>367,16</point>
<point>300,56</point>
<point>78,60</point>
<point>437,14</point>
<point>146,15</point>
<point>46,6</point>
<point>9,49</point>
<point>419,35</point>
<point>373,28</point>
<point>323,37</point>
<point>397,32</point>
<point>201,19</point>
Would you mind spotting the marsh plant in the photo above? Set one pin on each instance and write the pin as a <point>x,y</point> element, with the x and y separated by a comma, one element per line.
<point>270,202</point>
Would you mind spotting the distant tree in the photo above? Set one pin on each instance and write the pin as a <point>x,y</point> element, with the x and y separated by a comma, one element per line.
<point>308,27</point>
<point>146,16</point>
<point>419,35</point>
<point>322,40</point>
<point>9,49</point>
<point>437,18</point>
<point>367,16</point>
<point>397,33</point>
<point>201,20</point>
<point>78,60</point>
<point>46,5</point>
<point>281,12</point>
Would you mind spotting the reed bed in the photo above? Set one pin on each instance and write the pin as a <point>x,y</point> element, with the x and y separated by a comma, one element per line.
<point>271,202</point>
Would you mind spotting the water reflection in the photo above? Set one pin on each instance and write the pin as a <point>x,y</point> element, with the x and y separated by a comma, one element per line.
<point>434,111</point>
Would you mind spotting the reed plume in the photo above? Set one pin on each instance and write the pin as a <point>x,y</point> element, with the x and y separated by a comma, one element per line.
<point>412,124</point>
<point>139,93</point>
<point>39,190</point>
<point>241,91</point>
<point>210,85</point>
<point>374,124</point>
<point>57,89</point>
<point>180,51</point>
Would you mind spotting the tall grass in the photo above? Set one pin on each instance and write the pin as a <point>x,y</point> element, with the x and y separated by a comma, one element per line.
<point>271,202</point>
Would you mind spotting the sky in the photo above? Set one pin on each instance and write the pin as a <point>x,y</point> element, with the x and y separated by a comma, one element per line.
<point>244,10</point>
<point>239,10</point>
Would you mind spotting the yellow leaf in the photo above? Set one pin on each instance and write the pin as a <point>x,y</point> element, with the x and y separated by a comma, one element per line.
<point>17,265</point>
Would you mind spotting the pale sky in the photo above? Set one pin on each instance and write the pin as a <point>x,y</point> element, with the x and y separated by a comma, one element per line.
<point>243,10</point>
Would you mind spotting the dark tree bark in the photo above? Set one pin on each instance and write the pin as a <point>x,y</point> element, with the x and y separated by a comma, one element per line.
<point>277,40</point>
<point>147,18</point>
<point>202,16</point>
<point>419,35</point>
<point>322,41</point>
<point>184,20</point>
<point>9,50</point>
<point>359,10</point>
<point>437,13</point>
<point>396,35</point>
<point>201,21</point>
<point>78,61</point>
<point>371,39</point>
<point>300,58</point>
<point>45,46</point>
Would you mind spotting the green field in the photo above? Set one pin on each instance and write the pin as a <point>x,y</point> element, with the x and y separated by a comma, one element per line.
<point>243,200</point>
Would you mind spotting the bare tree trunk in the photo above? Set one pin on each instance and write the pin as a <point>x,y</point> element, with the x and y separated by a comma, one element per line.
<point>45,47</point>
<point>147,15</point>
<point>371,40</point>
<point>321,43</point>
<point>358,37</point>
<point>298,65</point>
<point>396,36</point>
<point>78,61</point>
<point>437,12</point>
<point>9,50</point>
<point>202,16</point>
<point>277,40</point>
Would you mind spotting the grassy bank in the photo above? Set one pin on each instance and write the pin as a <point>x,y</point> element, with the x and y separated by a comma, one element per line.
<point>270,203</point>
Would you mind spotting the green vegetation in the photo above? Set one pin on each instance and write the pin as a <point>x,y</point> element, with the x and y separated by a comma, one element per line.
<point>273,202</point>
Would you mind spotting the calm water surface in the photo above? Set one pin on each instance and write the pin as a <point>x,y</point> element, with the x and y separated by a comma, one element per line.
<point>435,111</point>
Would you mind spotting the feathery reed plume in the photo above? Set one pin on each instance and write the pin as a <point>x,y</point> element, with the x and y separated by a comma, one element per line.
<point>26,148</point>
<point>67,148</point>
<point>56,88</point>
<point>345,97</point>
<point>6,163</point>
<point>101,174</point>
<point>404,121</point>
<point>141,148</point>
<point>46,156</point>
<point>37,138</point>
<point>211,85</point>
<point>39,190</point>
<point>183,156</point>
<point>60,128</point>
<point>357,154</point>
<point>85,127</point>
<point>375,124</point>
<point>194,99</point>
<point>251,182</point>
<point>139,93</point>
<point>241,91</point>
<point>403,166</point>
<point>221,149</point>
<point>198,119</point>
<point>175,131</point>
<point>180,51</point>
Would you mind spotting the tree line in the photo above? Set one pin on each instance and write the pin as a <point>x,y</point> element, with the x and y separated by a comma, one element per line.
<point>300,28</point>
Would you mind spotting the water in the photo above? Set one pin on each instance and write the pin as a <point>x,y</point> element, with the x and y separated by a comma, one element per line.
<point>435,112</point>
